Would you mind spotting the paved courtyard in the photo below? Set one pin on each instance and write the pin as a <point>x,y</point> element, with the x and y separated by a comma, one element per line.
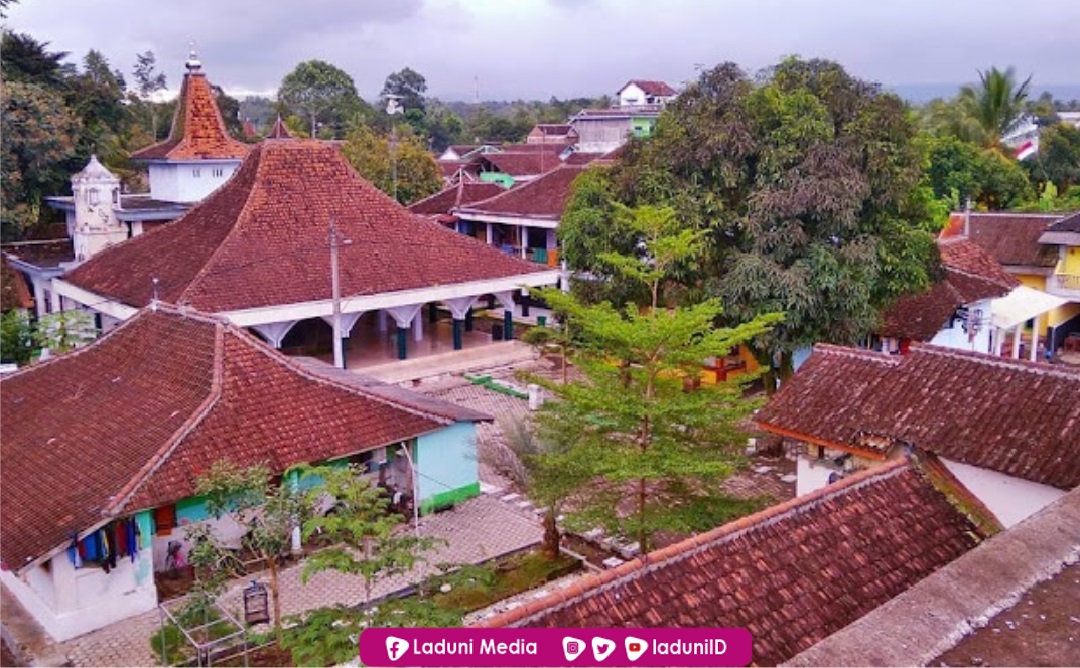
<point>475,531</point>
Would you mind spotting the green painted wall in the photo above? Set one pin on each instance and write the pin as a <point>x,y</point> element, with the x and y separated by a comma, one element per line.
<point>449,470</point>
<point>504,180</point>
<point>642,127</point>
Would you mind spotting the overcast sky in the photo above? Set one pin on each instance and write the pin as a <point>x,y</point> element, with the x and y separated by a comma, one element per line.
<point>539,48</point>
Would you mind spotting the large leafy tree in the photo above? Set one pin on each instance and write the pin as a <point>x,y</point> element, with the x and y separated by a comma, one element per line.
<point>652,455</point>
<point>39,143</point>
<point>405,169</point>
<point>322,93</point>
<point>1059,156</point>
<point>998,103</point>
<point>959,170</point>
<point>409,86</point>
<point>24,59</point>
<point>806,182</point>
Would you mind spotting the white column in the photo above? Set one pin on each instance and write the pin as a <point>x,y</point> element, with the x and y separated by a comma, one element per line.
<point>1016,341</point>
<point>1034,357</point>
<point>523,236</point>
<point>999,340</point>
<point>417,329</point>
<point>490,233</point>
<point>275,331</point>
<point>382,321</point>
<point>39,298</point>
<point>54,299</point>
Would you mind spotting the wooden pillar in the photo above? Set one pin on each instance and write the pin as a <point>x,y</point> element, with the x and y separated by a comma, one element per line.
<point>508,325</point>
<point>469,320</point>
<point>402,342</point>
<point>457,333</point>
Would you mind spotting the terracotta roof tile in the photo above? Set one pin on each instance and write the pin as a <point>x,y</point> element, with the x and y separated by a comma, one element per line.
<point>459,194</point>
<point>522,163</point>
<point>545,197</point>
<point>1067,224</point>
<point>971,275</point>
<point>198,131</point>
<point>279,131</point>
<point>130,421</point>
<point>1010,238</point>
<point>14,293</point>
<point>261,240</point>
<point>792,574</point>
<point>552,129</point>
<point>1018,418</point>
<point>658,88</point>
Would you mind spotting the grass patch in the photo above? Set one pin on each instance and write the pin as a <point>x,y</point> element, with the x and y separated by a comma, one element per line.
<point>507,577</point>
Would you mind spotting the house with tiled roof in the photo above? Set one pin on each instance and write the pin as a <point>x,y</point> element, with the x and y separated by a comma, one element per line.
<point>792,574</point>
<point>552,133</point>
<point>1016,241</point>
<point>641,92</point>
<point>258,252</point>
<point>522,221</point>
<point>957,310</point>
<point>1064,236</point>
<point>106,444</point>
<point>604,130</point>
<point>1008,430</point>
<point>438,207</point>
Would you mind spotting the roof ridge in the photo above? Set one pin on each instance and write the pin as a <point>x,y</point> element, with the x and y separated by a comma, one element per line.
<point>516,190</point>
<point>256,153</point>
<point>1009,214</point>
<point>597,582</point>
<point>126,492</point>
<point>1038,368</point>
<point>859,353</point>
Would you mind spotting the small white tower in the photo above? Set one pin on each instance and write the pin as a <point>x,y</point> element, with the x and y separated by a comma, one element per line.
<point>96,191</point>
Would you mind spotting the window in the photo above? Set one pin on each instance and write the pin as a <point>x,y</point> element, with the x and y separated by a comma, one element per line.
<point>370,460</point>
<point>219,172</point>
<point>195,173</point>
<point>92,196</point>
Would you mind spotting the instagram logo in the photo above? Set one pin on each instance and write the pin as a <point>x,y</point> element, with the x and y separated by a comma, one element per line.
<point>395,647</point>
<point>572,647</point>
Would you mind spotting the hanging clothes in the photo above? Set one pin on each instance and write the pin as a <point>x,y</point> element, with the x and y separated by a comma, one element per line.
<point>73,551</point>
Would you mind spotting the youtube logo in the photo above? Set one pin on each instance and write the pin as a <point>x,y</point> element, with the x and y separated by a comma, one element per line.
<point>635,647</point>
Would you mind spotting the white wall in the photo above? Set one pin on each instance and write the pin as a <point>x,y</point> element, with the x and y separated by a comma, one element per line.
<point>811,475</point>
<point>1010,499</point>
<point>189,181</point>
<point>955,337</point>
<point>631,95</point>
<point>69,602</point>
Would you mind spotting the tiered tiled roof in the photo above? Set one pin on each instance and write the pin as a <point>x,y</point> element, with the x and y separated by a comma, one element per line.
<point>198,131</point>
<point>543,198</point>
<point>1014,417</point>
<point>1010,238</point>
<point>971,275</point>
<point>279,131</point>
<point>130,422</point>
<point>459,194</point>
<point>262,240</point>
<point>791,575</point>
<point>657,88</point>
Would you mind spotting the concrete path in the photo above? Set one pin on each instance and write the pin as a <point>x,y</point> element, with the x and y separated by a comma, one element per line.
<point>454,362</point>
<point>475,531</point>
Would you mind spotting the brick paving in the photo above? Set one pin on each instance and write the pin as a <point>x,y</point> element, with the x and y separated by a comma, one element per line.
<point>475,531</point>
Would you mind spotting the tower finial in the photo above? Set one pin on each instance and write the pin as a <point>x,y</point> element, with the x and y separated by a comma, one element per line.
<point>193,64</point>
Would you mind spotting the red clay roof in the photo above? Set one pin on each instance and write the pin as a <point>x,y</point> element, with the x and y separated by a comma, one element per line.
<point>279,131</point>
<point>46,253</point>
<point>522,163</point>
<point>460,194</point>
<point>1010,238</point>
<point>198,131</point>
<point>1067,224</point>
<point>261,240</point>
<point>657,88</point>
<point>129,423</point>
<point>14,292</point>
<point>543,198</point>
<point>971,275</point>
<point>552,129</point>
<point>1014,417</point>
<point>792,574</point>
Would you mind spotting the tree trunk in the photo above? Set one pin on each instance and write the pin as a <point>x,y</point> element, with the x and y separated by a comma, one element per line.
<point>552,537</point>
<point>274,594</point>
<point>643,534</point>
<point>764,360</point>
<point>787,365</point>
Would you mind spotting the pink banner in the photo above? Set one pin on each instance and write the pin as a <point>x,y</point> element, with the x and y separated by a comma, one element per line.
<point>555,647</point>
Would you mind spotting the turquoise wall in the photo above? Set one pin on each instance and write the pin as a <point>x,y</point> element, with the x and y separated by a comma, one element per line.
<point>504,180</point>
<point>191,510</point>
<point>448,464</point>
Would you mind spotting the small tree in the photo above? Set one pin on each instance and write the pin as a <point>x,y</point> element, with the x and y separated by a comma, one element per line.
<point>16,341</point>
<point>269,512</point>
<point>148,81</point>
<point>369,543</point>
<point>651,450</point>
<point>64,330</point>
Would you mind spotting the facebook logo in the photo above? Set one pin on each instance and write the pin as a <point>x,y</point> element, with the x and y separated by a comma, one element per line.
<point>395,647</point>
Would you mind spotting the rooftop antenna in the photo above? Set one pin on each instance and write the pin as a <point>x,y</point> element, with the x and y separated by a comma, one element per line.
<point>154,299</point>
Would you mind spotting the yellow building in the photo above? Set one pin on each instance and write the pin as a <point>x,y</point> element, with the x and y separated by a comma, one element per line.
<point>1041,249</point>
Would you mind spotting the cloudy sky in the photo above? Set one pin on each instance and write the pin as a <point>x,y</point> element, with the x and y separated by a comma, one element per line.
<point>540,48</point>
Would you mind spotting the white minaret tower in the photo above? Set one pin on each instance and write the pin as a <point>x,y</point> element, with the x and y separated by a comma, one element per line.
<point>96,191</point>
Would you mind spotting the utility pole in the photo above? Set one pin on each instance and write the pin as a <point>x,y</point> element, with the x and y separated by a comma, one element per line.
<point>393,108</point>
<point>335,296</point>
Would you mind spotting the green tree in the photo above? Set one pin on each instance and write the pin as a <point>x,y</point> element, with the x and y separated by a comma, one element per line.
<point>1058,159</point>
<point>361,527</point>
<point>268,511</point>
<point>63,331</point>
<point>39,142</point>
<point>444,127</point>
<point>654,453</point>
<point>998,103</point>
<point>148,81</point>
<point>807,184</point>
<point>27,60</point>
<point>957,170</point>
<point>321,92</point>
<point>16,337</point>
<point>230,113</point>
<point>407,170</point>
<point>409,86</point>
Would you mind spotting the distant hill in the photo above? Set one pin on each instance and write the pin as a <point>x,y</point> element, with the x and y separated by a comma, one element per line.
<point>920,93</point>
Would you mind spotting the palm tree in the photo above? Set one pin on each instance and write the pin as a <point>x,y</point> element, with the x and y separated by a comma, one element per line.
<point>997,104</point>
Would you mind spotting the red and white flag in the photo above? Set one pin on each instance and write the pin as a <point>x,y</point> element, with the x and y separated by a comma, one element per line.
<point>1026,150</point>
